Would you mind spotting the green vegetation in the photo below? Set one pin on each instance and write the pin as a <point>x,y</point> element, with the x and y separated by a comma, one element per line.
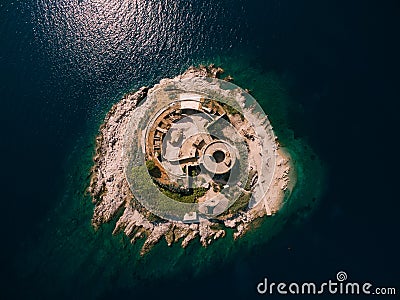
<point>230,109</point>
<point>153,169</point>
<point>252,174</point>
<point>206,102</point>
<point>216,187</point>
<point>150,196</point>
<point>141,177</point>
<point>195,194</point>
<point>241,203</point>
<point>153,218</point>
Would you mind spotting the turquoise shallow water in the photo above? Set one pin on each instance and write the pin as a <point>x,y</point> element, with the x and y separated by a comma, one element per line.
<point>89,258</point>
<point>329,69</point>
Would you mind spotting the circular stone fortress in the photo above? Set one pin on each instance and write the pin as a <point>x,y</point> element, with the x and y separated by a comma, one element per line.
<point>189,157</point>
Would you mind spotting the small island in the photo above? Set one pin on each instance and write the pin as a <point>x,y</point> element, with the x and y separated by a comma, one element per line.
<point>190,157</point>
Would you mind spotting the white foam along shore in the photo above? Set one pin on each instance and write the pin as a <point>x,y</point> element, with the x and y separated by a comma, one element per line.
<point>112,195</point>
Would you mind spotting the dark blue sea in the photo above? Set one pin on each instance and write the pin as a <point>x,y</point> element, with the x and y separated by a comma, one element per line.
<point>64,63</point>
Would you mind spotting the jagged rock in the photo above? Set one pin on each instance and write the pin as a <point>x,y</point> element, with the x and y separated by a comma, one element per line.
<point>169,235</point>
<point>230,223</point>
<point>219,233</point>
<point>228,78</point>
<point>239,231</point>
<point>155,236</point>
<point>137,236</point>
<point>181,230</point>
<point>190,236</point>
<point>111,193</point>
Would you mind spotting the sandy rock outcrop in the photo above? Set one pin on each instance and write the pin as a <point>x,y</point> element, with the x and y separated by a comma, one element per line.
<point>112,196</point>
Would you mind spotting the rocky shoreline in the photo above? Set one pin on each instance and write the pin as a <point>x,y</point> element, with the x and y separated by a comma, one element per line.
<point>112,196</point>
